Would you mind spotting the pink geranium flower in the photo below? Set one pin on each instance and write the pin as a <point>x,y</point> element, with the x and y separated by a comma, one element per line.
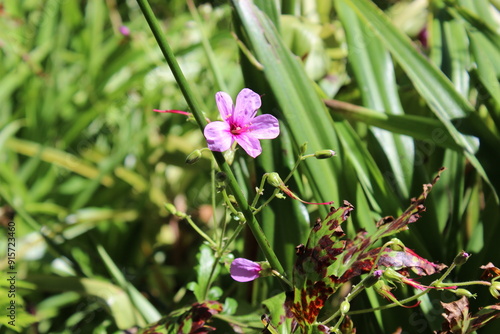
<point>243,270</point>
<point>240,124</point>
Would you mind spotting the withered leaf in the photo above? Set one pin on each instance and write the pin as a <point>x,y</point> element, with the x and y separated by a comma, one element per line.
<point>189,320</point>
<point>490,271</point>
<point>459,321</point>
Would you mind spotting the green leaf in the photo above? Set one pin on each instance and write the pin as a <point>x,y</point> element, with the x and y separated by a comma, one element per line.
<point>276,311</point>
<point>142,305</point>
<point>486,71</point>
<point>207,271</point>
<point>115,299</point>
<point>374,74</point>
<point>418,127</point>
<point>443,99</point>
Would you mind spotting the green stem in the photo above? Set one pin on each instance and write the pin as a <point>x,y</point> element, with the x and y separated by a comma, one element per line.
<point>385,307</point>
<point>259,191</point>
<point>195,227</point>
<point>447,272</point>
<point>437,283</point>
<point>465,283</point>
<point>213,200</point>
<point>200,119</point>
<point>231,239</point>
<point>199,231</point>
<point>277,190</point>
<point>355,291</point>
<point>230,205</point>
<point>283,278</point>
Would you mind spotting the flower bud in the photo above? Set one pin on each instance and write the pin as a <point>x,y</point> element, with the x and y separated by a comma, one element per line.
<point>392,275</point>
<point>243,270</point>
<point>171,208</point>
<point>495,289</point>
<point>345,306</point>
<point>397,245</point>
<point>461,258</point>
<point>383,289</point>
<point>464,292</point>
<point>239,217</point>
<point>220,177</point>
<point>229,156</point>
<point>322,329</point>
<point>303,148</point>
<point>274,180</point>
<point>372,279</point>
<point>324,154</point>
<point>193,157</point>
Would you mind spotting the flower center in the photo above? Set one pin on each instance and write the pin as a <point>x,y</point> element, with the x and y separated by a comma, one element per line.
<point>236,130</point>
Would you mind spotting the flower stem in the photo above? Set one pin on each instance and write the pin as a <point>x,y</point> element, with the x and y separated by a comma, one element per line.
<point>465,283</point>
<point>283,278</point>
<point>388,306</point>
<point>300,158</point>
<point>173,210</point>
<point>200,119</point>
<point>229,205</point>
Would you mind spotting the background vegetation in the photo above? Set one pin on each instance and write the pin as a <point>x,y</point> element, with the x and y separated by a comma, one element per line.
<point>86,167</point>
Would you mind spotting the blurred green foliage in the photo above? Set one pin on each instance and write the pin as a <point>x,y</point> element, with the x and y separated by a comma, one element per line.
<point>87,166</point>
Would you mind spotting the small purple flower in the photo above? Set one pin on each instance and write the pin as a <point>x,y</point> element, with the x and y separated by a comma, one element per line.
<point>124,30</point>
<point>243,270</point>
<point>240,124</point>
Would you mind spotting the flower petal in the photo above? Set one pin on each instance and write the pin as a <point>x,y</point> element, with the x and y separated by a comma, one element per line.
<point>218,136</point>
<point>247,104</point>
<point>250,144</point>
<point>224,104</point>
<point>243,270</point>
<point>264,127</point>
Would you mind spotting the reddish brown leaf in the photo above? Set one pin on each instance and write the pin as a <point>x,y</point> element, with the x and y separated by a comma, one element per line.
<point>490,272</point>
<point>322,248</point>
<point>456,316</point>
<point>389,225</point>
<point>308,302</point>
<point>328,260</point>
<point>459,321</point>
<point>191,320</point>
